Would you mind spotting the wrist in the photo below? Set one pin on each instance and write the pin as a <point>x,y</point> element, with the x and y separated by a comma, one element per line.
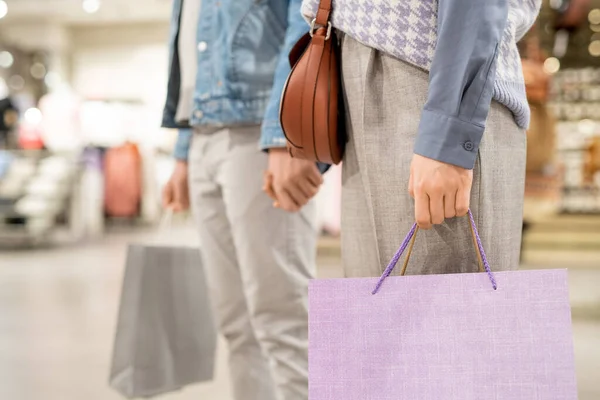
<point>277,150</point>
<point>181,165</point>
<point>278,153</point>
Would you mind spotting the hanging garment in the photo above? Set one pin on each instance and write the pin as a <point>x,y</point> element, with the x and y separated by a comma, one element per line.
<point>123,181</point>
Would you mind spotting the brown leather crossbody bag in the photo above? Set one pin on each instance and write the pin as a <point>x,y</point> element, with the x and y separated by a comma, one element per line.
<point>312,106</point>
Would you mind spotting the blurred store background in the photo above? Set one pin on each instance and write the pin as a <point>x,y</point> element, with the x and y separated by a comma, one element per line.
<point>82,85</point>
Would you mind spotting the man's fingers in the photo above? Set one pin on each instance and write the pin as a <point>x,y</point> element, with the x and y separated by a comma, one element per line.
<point>422,214</point>
<point>285,201</point>
<point>270,192</point>
<point>167,195</point>
<point>293,196</point>
<point>441,190</point>
<point>169,200</point>
<point>291,182</point>
<point>172,198</point>
<point>462,201</point>
<point>184,200</point>
<point>180,197</point>
<point>268,186</point>
<point>449,205</point>
<point>297,195</point>
<point>308,188</point>
<point>436,207</point>
<point>314,175</point>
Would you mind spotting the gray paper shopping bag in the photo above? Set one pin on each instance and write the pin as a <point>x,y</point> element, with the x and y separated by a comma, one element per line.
<point>165,335</point>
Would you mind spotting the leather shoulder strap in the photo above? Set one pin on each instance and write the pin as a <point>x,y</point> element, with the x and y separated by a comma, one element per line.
<point>324,12</point>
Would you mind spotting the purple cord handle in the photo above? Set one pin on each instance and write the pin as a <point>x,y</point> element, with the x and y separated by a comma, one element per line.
<point>406,242</point>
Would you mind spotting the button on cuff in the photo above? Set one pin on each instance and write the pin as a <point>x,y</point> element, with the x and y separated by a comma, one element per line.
<point>448,139</point>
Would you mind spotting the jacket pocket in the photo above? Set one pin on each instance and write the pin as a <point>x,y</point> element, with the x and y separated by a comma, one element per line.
<point>255,50</point>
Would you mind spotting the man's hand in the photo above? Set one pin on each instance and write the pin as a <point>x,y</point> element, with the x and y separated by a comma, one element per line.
<point>291,182</point>
<point>175,194</point>
<point>440,190</point>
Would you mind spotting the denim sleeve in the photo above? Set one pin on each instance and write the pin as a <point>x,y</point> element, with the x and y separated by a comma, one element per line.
<point>182,146</point>
<point>272,134</point>
<point>461,80</point>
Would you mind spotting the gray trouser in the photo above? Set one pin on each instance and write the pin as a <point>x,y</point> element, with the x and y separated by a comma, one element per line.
<point>258,262</point>
<point>385,97</point>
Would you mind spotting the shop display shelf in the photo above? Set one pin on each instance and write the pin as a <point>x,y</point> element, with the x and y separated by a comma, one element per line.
<point>576,106</point>
<point>41,185</point>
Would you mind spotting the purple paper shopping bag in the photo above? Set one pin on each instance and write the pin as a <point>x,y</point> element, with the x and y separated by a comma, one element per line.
<point>502,336</point>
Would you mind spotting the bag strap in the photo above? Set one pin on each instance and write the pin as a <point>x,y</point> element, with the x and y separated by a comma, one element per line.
<point>409,242</point>
<point>412,243</point>
<point>324,12</point>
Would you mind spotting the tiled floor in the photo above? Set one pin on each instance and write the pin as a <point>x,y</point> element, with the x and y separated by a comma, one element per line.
<point>57,314</point>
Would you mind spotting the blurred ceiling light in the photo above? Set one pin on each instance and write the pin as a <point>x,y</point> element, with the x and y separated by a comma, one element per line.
<point>561,43</point>
<point>52,79</point>
<point>3,9</point>
<point>33,116</point>
<point>587,126</point>
<point>594,16</point>
<point>551,65</point>
<point>91,6</point>
<point>38,71</point>
<point>6,59</point>
<point>16,82</point>
<point>594,48</point>
<point>3,88</point>
<point>595,28</point>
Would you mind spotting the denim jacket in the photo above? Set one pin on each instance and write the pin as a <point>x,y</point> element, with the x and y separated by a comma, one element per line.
<point>243,48</point>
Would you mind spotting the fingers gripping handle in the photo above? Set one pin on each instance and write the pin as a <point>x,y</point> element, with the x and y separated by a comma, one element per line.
<point>409,241</point>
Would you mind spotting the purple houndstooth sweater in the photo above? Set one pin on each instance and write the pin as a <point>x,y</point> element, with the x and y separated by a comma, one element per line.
<point>407,29</point>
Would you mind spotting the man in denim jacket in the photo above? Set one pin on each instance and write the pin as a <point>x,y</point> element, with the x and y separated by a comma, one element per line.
<point>228,66</point>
